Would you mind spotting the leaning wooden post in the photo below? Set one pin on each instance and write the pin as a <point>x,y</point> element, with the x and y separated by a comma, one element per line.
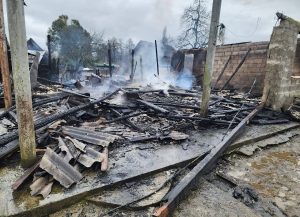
<point>141,65</point>
<point>18,45</point>
<point>156,58</point>
<point>57,67</point>
<point>213,31</point>
<point>49,52</point>
<point>4,62</point>
<point>109,60</point>
<point>132,65</point>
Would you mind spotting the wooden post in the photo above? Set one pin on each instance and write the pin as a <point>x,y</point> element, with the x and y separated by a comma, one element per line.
<point>49,52</point>
<point>4,62</point>
<point>57,67</point>
<point>156,58</point>
<point>141,65</point>
<point>109,60</point>
<point>213,31</point>
<point>132,65</point>
<point>20,66</point>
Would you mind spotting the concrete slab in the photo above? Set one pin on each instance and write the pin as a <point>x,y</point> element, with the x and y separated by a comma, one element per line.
<point>255,133</point>
<point>132,191</point>
<point>208,200</point>
<point>274,174</point>
<point>125,164</point>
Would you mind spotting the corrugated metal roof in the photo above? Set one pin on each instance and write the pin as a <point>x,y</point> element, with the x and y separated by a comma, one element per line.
<point>89,136</point>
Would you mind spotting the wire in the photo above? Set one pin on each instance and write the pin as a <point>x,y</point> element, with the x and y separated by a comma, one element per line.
<point>258,19</point>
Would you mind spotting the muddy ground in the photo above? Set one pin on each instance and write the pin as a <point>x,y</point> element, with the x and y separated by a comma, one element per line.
<point>265,183</point>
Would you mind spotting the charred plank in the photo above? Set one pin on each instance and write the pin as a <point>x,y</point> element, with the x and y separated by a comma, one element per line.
<point>181,190</point>
<point>152,106</point>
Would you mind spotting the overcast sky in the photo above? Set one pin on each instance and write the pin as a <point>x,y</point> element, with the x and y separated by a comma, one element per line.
<point>145,19</point>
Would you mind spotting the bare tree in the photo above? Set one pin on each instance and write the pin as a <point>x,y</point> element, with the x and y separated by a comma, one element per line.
<point>195,22</point>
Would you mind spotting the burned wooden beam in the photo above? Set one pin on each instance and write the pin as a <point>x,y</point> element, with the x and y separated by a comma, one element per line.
<point>196,119</point>
<point>25,176</point>
<point>42,122</point>
<point>177,105</point>
<point>127,122</point>
<point>181,190</point>
<point>36,103</point>
<point>51,82</point>
<point>221,74</point>
<point>124,117</point>
<point>76,94</point>
<point>13,146</point>
<point>184,94</point>
<point>237,68</point>
<point>143,91</point>
<point>109,60</point>
<point>228,111</point>
<point>152,106</point>
<point>132,65</point>
<point>157,66</point>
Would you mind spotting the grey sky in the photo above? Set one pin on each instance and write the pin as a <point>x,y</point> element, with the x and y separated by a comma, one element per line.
<point>145,19</point>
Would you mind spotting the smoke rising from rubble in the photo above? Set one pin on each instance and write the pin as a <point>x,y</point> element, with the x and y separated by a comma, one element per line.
<point>166,79</point>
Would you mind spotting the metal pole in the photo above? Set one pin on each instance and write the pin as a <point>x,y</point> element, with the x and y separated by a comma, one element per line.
<point>141,65</point>
<point>156,58</point>
<point>18,45</point>
<point>4,62</point>
<point>210,56</point>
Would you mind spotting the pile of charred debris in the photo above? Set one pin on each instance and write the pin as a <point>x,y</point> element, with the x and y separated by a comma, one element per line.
<point>75,131</point>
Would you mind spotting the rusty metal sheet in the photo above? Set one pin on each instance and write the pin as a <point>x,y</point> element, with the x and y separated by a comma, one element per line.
<point>90,157</point>
<point>61,170</point>
<point>93,137</point>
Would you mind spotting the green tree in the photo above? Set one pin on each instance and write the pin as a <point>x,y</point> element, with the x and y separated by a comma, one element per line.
<point>72,42</point>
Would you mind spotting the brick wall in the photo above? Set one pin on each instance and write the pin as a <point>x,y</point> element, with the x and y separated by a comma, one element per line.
<point>245,76</point>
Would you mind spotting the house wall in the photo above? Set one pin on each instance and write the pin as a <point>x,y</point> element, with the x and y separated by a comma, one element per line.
<point>244,78</point>
<point>280,88</point>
